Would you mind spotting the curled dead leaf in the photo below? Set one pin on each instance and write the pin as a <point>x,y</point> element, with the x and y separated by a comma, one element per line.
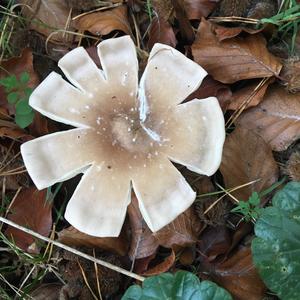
<point>233,59</point>
<point>162,267</point>
<point>276,119</point>
<point>73,237</point>
<point>104,22</point>
<point>31,210</point>
<point>247,157</point>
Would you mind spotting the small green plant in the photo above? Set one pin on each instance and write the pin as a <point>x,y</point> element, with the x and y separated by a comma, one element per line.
<point>18,93</point>
<point>287,21</point>
<point>251,209</point>
<point>182,285</point>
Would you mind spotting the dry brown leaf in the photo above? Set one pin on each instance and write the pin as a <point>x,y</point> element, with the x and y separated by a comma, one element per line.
<point>196,9</point>
<point>183,231</point>
<point>224,33</point>
<point>247,94</point>
<point>72,237</point>
<point>161,31</point>
<point>239,276</point>
<point>276,119</point>
<point>233,59</point>
<point>49,16</point>
<point>104,22</point>
<point>143,243</point>
<point>162,267</point>
<point>247,157</point>
<point>31,210</point>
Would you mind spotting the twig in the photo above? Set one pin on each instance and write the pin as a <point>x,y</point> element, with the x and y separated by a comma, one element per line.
<point>74,251</point>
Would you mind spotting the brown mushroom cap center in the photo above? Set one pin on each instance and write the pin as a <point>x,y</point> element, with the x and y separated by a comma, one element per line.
<point>130,133</point>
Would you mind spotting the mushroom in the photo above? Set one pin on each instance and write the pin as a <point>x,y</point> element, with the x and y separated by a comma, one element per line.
<point>126,135</point>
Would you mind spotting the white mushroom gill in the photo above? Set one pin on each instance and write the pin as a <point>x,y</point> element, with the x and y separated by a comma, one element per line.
<point>126,135</point>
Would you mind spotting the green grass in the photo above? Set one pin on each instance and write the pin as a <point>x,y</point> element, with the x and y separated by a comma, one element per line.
<point>287,21</point>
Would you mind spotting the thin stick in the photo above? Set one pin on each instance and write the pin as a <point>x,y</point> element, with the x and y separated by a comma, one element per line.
<point>74,251</point>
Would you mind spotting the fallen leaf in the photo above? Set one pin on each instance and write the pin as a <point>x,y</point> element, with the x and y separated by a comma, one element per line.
<point>214,241</point>
<point>72,237</point>
<point>143,243</point>
<point>31,210</point>
<point>239,276</point>
<point>162,267</point>
<point>247,157</point>
<point>185,27</point>
<point>183,231</point>
<point>224,33</point>
<point>104,22</point>
<point>14,133</point>
<point>196,9</point>
<point>213,88</point>
<point>161,31</point>
<point>276,119</point>
<point>247,94</point>
<point>234,59</point>
<point>48,16</point>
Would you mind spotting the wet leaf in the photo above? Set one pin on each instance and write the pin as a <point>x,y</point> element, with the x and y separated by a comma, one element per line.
<point>233,59</point>
<point>276,119</point>
<point>162,267</point>
<point>239,276</point>
<point>104,22</point>
<point>183,285</point>
<point>247,157</point>
<point>276,247</point>
<point>49,16</point>
<point>30,210</point>
<point>72,237</point>
<point>161,31</point>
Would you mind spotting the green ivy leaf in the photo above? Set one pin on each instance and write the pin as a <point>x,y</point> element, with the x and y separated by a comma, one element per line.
<point>276,249</point>
<point>9,82</point>
<point>23,108</point>
<point>12,97</point>
<point>24,77</point>
<point>181,286</point>
<point>24,120</point>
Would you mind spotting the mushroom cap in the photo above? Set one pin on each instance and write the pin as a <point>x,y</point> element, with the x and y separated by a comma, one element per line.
<point>126,135</point>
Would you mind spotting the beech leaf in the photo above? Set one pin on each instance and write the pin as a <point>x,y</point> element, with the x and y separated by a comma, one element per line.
<point>276,119</point>
<point>104,22</point>
<point>247,157</point>
<point>30,210</point>
<point>233,59</point>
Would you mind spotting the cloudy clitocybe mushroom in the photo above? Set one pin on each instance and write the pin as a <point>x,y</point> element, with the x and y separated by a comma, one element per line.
<point>126,135</point>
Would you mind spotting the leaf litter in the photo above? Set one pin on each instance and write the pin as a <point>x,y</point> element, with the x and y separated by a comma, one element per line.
<point>261,147</point>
